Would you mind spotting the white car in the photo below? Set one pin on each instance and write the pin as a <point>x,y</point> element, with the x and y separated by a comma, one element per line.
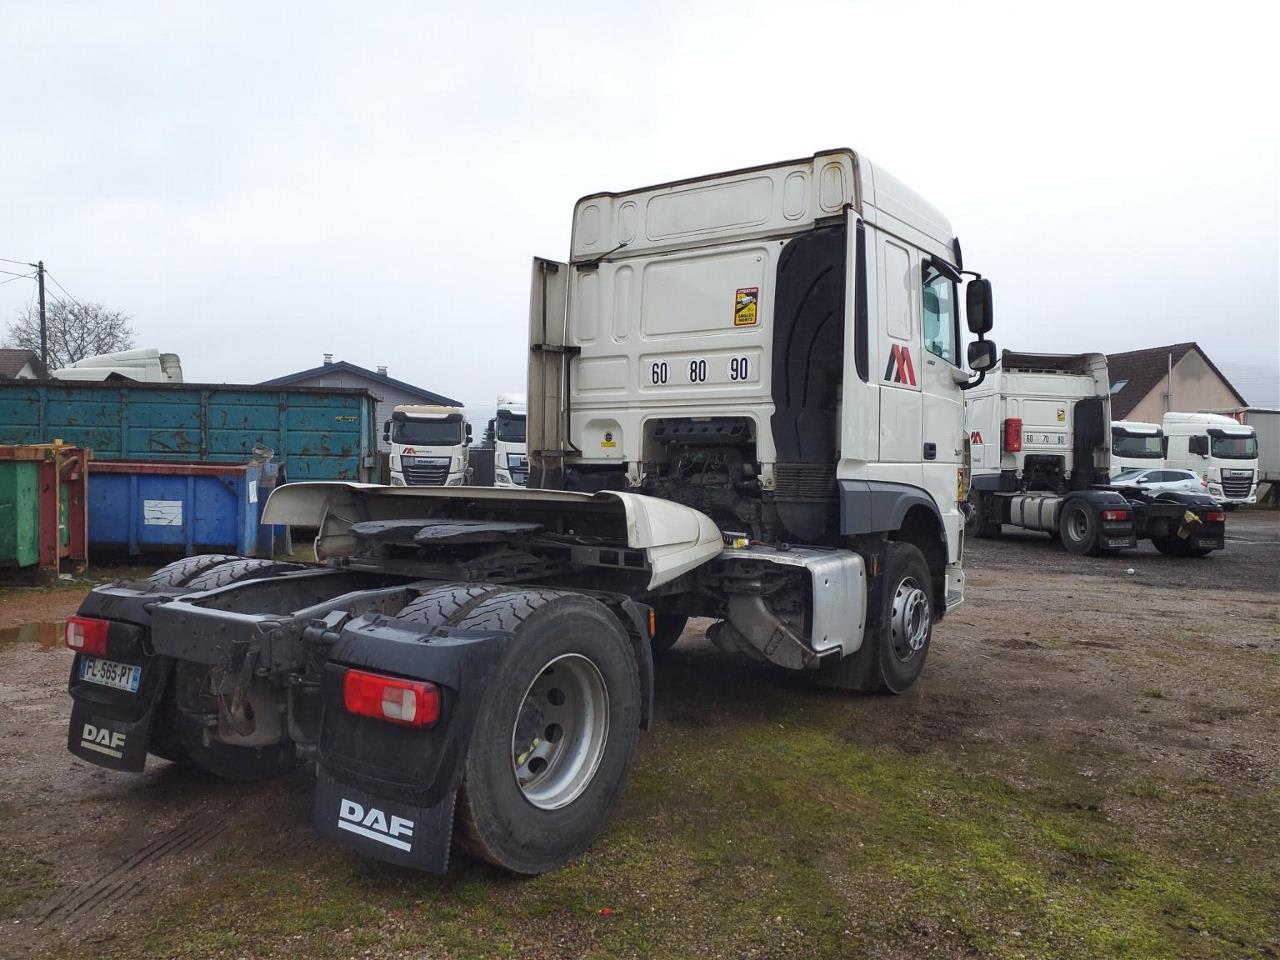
<point>1161,480</point>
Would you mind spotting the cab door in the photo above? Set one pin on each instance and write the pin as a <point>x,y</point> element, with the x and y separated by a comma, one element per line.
<point>897,364</point>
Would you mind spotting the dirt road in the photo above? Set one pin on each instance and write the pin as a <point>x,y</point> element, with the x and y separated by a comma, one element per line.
<point>1089,768</point>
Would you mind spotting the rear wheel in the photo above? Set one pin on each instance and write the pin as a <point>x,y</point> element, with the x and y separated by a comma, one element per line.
<point>178,573</point>
<point>979,523</point>
<point>1078,528</point>
<point>557,731</point>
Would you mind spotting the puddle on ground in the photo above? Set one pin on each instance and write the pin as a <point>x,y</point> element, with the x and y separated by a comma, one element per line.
<point>47,634</point>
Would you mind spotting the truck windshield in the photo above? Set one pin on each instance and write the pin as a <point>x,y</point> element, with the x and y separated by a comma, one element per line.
<point>510,427</point>
<point>1145,446</point>
<point>427,433</point>
<point>1234,448</point>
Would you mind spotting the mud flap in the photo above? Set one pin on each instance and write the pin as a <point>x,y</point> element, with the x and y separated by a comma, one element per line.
<point>113,742</point>
<point>409,836</point>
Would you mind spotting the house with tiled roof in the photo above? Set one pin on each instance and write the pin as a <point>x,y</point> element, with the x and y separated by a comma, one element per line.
<point>1147,384</point>
<point>21,365</point>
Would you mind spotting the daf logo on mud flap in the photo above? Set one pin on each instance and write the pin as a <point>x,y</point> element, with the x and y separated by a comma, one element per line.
<point>102,740</point>
<point>373,823</point>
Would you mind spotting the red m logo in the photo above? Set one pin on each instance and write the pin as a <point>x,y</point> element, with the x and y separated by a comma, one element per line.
<point>900,369</point>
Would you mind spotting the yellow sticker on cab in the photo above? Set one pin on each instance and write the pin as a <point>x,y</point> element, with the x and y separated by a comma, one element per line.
<point>607,441</point>
<point>745,303</point>
<point>1062,415</point>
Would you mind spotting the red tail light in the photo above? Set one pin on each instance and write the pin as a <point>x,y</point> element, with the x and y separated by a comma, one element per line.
<point>1115,514</point>
<point>1013,435</point>
<point>87,635</point>
<point>1215,516</point>
<point>414,703</point>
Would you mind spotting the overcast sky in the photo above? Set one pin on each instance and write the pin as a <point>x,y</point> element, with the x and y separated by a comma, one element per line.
<point>259,183</point>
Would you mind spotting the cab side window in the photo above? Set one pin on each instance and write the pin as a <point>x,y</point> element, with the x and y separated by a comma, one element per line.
<point>939,316</point>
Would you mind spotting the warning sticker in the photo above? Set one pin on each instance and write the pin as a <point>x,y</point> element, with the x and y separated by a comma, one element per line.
<point>608,440</point>
<point>1062,415</point>
<point>745,302</point>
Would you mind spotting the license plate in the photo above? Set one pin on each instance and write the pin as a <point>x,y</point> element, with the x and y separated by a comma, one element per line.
<point>109,673</point>
<point>1123,542</point>
<point>1207,542</point>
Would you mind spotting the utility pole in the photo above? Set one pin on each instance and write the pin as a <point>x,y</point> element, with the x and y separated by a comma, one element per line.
<point>44,334</point>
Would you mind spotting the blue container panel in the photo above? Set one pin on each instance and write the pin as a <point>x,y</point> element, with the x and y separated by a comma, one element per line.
<point>147,511</point>
<point>317,435</point>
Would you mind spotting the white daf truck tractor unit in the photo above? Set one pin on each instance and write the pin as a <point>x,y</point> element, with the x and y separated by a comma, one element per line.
<point>746,404</point>
<point>1039,433</point>
<point>1135,446</point>
<point>430,445</point>
<point>1222,450</point>
<point>510,455</point>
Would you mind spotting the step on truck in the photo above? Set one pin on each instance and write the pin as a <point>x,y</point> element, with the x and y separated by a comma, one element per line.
<point>1040,436</point>
<point>430,445</point>
<point>745,405</point>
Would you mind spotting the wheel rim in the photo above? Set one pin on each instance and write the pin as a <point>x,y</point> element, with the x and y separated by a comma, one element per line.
<point>910,619</point>
<point>560,732</point>
<point>1078,525</point>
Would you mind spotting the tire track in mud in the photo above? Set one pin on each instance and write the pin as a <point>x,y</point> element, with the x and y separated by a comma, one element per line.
<point>74,910</point>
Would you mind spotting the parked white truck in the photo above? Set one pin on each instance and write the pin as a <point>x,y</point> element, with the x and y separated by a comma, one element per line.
<point>1221,449</point>
<point>1040,432</point>
<point>510,456</point>
<point>430,445</point>
<point>1135,446</point>
<point>746,405</point>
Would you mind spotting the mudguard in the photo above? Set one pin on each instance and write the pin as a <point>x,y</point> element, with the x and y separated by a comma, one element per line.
<point>109,727</point>
<point>386,790</point>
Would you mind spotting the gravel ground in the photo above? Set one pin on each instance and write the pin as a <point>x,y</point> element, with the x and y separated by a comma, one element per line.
<point>1089,767</point>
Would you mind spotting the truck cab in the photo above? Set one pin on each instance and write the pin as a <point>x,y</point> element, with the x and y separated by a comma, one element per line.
<point>510,456</point>
<point>430,445</point>
<point>145,365</point>
<point>1223,451</point>
<point>1136,446</point>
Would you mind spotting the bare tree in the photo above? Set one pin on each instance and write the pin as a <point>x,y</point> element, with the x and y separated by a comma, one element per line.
<point>75,331</point>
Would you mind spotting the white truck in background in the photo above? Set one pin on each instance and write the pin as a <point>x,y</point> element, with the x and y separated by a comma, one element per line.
<point>1040,435</point>
<point>430,445</point>
<point>1266,425</point>
<point>1221,449</point>
<point>1135,446</point>
<point>146,365</point>
<point>510,453</point>
<point>746,404</point>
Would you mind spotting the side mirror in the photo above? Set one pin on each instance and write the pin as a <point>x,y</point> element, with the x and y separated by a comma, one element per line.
<point>1199,446</point>
<point>982,355</point>
<point>977,307</point>
<point>386,431</point>
<point>468,433</point>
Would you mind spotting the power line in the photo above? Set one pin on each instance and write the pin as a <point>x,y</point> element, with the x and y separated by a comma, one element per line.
<point>16,276</point>
<point>12,274</point>
<point>21,263</point>
<point>63,289</point>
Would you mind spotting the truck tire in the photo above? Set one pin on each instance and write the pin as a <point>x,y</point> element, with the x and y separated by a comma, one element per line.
<point>240,568</point>
<point>1078,529</point>
<point>178,573</point>
<point>1177,547</point>
<point>892,657</point>
<point>556,733</point>
<point>440,605</point>
<point>667,629</point>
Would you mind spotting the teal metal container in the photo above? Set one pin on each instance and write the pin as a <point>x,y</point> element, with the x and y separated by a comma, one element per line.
<point>316,433</point>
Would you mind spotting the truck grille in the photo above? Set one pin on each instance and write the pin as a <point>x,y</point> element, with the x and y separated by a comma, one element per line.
<point>1237,488</point>
<point>519,467</point>
<point>426,473</point>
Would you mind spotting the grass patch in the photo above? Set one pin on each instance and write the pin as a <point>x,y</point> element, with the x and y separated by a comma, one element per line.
<point>778,837</point>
